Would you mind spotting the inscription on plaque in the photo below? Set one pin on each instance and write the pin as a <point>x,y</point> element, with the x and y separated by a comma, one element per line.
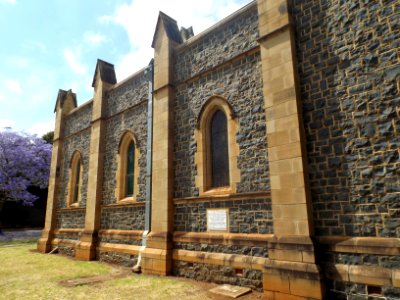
<point>217,219</point>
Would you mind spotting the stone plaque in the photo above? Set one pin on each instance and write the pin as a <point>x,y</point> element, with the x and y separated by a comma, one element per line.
<point>230,290</point>
<point>217,219</point>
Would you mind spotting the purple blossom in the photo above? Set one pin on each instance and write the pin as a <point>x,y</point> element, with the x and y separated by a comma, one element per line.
<point>24,161</point>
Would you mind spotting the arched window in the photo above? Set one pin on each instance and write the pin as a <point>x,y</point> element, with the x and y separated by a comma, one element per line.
<point>75,180</point>
<point>219,154</point>
<point>217,149</point>
<point>128,168</point>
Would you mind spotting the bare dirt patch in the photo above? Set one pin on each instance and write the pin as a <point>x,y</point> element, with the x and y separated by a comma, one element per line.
<point>207,286</point>
<point>117,272</point>
<point>122,272</point>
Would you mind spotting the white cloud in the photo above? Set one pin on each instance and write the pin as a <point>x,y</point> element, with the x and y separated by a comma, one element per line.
<point>39,87</point>
<point>18,61</point>
<point>41,128</point>
<point>81,86</point>
<point>33,87</point>
<point>139,22</point>
<point>8,1</point>
<point>34,46</point>
<point>72,59</point>
<point>13,86</point>
<point>6,123</point>
<point>27,101</point>
<point>29,98</point>
<point>132,62</point>
<point>105,19</point>
<point>40,46</point>
<point>94,38</point>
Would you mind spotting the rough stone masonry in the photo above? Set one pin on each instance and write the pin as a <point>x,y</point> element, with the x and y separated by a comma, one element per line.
<point>311,95</point>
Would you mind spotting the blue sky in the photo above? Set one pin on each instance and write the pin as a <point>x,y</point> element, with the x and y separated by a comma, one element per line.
<point>51,44</point>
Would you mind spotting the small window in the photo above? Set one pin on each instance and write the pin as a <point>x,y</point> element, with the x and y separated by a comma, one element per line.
<point>75,180</point>
<point>219,150</point>
<point>128,168</point>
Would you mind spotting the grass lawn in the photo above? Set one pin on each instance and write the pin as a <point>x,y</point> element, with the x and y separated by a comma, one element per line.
<point>19,242</point>
<point>25,274</point>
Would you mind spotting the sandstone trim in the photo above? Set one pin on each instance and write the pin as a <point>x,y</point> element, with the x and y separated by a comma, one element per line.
<point>212,198</point>
<point>68,230</point>
<point>366,245</point>
<point>257,240</point>
<point>363,274</point>
<point>120,234</point>
<point>123,204</point>
<point>65,242</point>
<point>231,260</point>
<point>65,209</point>
<point>119,248</point>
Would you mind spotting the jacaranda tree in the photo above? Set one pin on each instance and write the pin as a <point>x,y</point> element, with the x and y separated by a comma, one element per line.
<point>24,162</point>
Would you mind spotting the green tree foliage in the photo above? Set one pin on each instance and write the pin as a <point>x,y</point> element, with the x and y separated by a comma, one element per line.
<point>48,137</point>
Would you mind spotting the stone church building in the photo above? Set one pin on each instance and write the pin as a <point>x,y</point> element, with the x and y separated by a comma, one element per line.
<point>262,152</point>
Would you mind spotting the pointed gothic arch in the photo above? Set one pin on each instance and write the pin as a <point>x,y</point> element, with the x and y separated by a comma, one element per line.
<point>75,180</point>
<point>217,149</point>
<point>128,155</point>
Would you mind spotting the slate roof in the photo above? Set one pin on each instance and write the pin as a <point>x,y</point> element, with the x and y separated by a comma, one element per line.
<point>171,28</point>
<point>62,95</point>
<point>107,72</point>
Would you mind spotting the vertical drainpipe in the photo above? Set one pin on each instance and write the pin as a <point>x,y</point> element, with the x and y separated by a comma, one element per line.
<point>147,221</point>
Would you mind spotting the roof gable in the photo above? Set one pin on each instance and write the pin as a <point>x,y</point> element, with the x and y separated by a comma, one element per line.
<point>62,96</point>
<point>107,72</point>
<point>170,27</point>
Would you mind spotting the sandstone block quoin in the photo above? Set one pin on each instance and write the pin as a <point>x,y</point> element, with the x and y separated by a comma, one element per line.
<point>313,94</point>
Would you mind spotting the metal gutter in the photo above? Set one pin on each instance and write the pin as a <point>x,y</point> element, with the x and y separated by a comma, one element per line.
<point>147,222</point>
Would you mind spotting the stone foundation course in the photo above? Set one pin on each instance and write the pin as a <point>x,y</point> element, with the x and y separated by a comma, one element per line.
<point>219,274</point>
<point>311,93</point>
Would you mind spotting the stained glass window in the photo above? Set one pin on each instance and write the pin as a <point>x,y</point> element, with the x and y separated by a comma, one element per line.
<point>219,150</point>
<point>130,170</point>
<point>77,177</point>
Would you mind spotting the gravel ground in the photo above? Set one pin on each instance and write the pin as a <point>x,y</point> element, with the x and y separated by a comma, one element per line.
<point>7,235</point>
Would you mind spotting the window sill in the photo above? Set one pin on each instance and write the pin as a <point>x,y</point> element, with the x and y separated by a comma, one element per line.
<point>231,196</point>
<point>220,191</point>
<point>74,205</point>
<point>126,200</point>
<point>129,201</point>
<point>72,208</point>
